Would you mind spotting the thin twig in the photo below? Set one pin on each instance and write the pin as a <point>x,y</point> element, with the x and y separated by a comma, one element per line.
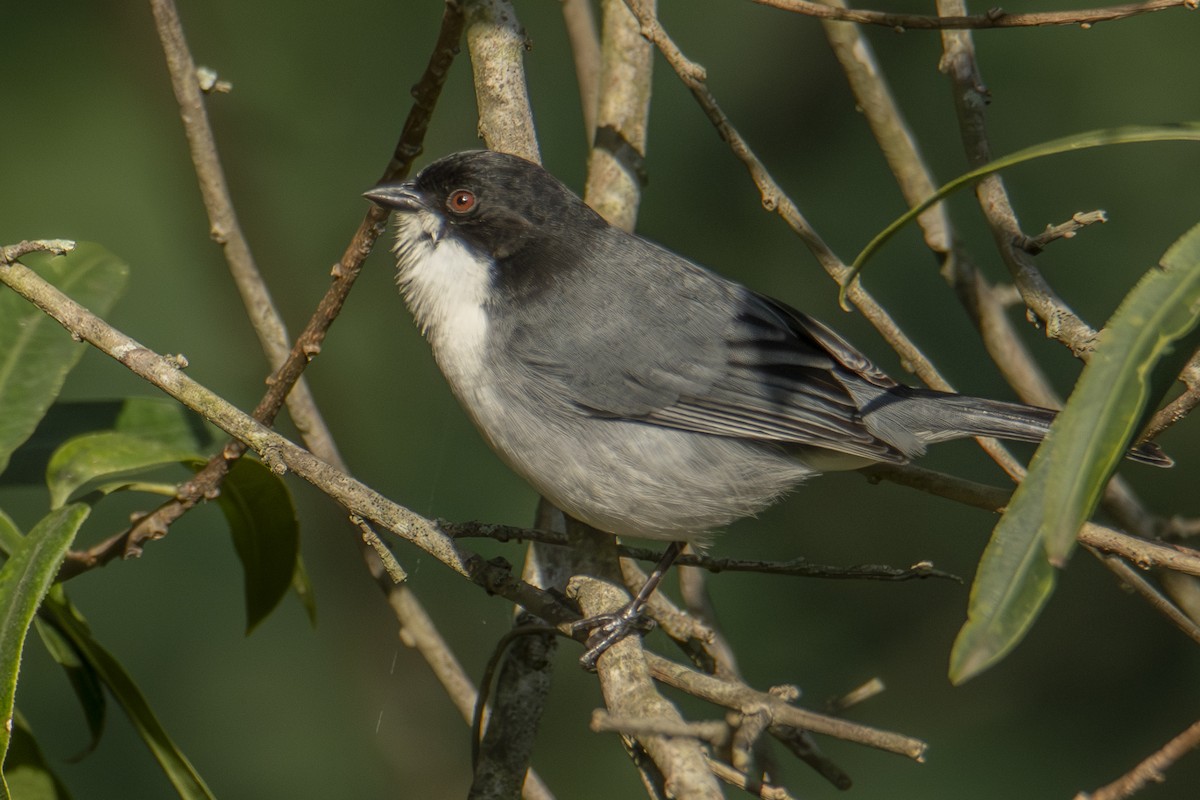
<point>277,452</point>
<point>390,564</point>
<point>1064,230</point>
<point>205,483</point>
<point>970,98</point>
<point>795,567</point>
<point>1152,770</point>
<point>775,199</point>
<point>1150,593</point>
<point>745,700</point>
<point>11,252</point>
<point>994,18</point>
<point>1181,406</point>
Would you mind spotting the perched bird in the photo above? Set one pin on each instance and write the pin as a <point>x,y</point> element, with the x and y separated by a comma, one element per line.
<point>636,390</point>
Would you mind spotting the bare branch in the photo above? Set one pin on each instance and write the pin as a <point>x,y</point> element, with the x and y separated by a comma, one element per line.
<point>1181,406</point>
<point>616,166</point>
<point>1152,770</point>
<point>1151,594</point>
<point>11,252</point>
<point>745,700</point>
<point>585,47</point>
<point>994,18</point>
<point>277,452</point>
<point>970,98</point>
<point>629,692</point>
<point>1064,230</point>
<point>497,44</point>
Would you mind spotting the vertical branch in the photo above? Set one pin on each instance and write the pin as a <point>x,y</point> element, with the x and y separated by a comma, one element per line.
<point>224,227</point>
<point>616,164</point>
<point>497,44</point>
<point>915,180</point>
<point>970,99</point>
<point>585,47</point>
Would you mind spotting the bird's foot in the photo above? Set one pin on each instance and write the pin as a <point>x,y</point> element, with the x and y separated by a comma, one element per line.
<point>608,629</point>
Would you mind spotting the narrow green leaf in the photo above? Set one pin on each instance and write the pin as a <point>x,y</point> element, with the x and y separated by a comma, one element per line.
<point>266,535</point>
<point>83,679</point>
<point>179,771</point>
<point>1014,581</point>
<point>26,771</point>
<point>1127,134</point>
<point>1157,323</point>
<point>10,535</point>
<point>107,454</point>
<point>1108,403</point>
<point>24,580</point>
<point>35,352</point>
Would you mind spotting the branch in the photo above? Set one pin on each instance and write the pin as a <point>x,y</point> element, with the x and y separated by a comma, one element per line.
<point>206,482</point>
<point>970,98</point>
<point>629,692</point>
<point>494,576</point>
<point>497,43</point>
<point>1149,771</point>
<point>994,18</point>
<point>1065,230</point>
<point>796,567</point>
<point>775,199</point>
<point>1145,553</point>
<point>1151,594</point>
<point>616,164</point>
<point>278,453</point>
<point>748,701</point>
<point>585,48</point>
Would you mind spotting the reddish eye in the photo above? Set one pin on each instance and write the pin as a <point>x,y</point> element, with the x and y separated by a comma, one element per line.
<point>461,201</point>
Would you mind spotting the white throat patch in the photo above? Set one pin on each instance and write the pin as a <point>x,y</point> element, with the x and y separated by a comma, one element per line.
<point>446,288</point>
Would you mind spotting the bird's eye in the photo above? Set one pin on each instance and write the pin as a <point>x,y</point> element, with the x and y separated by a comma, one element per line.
<point>461,201</point>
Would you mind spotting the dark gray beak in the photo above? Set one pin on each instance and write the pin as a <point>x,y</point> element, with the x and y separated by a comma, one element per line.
<point>397,196</point>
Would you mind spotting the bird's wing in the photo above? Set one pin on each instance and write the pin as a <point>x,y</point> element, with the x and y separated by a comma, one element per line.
<point>704,355</point>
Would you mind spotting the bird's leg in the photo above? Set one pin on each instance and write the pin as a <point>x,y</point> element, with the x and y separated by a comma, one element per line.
<point>608,629</point>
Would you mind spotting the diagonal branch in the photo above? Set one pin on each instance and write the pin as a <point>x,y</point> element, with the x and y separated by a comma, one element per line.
<point>993,18</point>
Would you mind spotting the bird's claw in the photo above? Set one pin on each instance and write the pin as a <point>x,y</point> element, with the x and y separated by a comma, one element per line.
<point>608,629</point>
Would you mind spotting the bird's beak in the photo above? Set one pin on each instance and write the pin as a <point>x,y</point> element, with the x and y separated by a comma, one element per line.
<point>396,196</point>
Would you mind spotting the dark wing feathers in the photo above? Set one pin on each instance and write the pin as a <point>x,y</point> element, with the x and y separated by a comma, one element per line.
<point>755,368</point>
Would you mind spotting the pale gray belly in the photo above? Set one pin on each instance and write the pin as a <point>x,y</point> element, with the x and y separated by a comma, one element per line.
<point>630,478</point>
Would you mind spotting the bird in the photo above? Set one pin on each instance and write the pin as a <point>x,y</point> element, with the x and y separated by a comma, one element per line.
<point>638,391</point>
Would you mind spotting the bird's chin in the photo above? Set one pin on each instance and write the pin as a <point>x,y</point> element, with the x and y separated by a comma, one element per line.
<point>416,239</point>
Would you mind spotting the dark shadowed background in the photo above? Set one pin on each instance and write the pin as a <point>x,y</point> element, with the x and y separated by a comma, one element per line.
<point>92,149</point>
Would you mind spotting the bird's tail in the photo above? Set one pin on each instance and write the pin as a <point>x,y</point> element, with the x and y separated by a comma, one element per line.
<point>944,416</point>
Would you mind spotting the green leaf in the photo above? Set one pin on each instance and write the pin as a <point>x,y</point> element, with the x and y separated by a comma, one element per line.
<point>24,580</point>
<point>10,534</point>
<point>266,535</point>
<point>83,679</point>
<point>161,419</point>
<point>165,421</point>
<point>28,775</point>
<point>35,352</point>
<point>1108,403</point>
<point>106,455</point>
<point>179,771</point>
<point>1127,134</point>
<point>1155,326</point>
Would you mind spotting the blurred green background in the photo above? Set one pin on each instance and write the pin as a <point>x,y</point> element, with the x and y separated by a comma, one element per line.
<point>92,149</point>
